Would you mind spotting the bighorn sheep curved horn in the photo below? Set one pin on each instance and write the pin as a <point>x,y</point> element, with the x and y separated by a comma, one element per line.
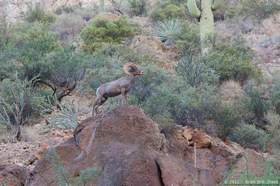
<point>117,87</point>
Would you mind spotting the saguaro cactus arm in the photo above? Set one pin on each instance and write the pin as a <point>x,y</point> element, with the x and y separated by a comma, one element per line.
<point>193,9</point>
<point>217,4</point>
<point>206,19</point>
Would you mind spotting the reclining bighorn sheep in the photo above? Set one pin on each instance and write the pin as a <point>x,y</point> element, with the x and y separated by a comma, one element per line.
<point>118,87</point>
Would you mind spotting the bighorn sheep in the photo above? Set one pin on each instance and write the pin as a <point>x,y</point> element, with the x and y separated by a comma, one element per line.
<point>118,87</point>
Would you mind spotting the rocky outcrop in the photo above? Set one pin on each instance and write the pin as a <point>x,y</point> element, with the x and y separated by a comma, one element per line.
<point>13,175</point>
<point>127,148</point>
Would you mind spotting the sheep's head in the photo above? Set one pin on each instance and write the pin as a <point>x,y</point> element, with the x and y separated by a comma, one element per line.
<point>132,69</point>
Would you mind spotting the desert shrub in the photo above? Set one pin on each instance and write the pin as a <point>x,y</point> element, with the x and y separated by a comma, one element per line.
<point>33,42</point>
<point>19,101</point>
<point>7,62</point>
<point>232,61</point>
<point>168,11</point>
<point>61,71</point>
<point>249,136</point>
<point>168,30</point>
<point>255,101</point>
<point>66,118</point>
<point>275,94</point>
<point>101,30</point>
<point>274,129</point>
<point>195,72</point>
<point>195,106</point>
<point>65,9</point>
<point>259,8</point>
<point>145,85</point>
<point>168,98</point>
<point>38,14</point>
<point>228,116</point>
<point>188,40</point>
<point>231,91</point>
<point>68,27</point>
<point>138,7</point>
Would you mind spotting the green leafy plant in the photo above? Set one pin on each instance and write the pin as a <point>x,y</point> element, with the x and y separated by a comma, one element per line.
<point>138,7</point>
<point>66,118</point>
<point>232,61</point>
<point>275,94</point>
<point>249,136</point>
<point>35,41</point>
<point>61,71</point>
<point>195,72</point>
<point>274,129</point>
<point>256,101</point>
<point>168,11</point>
<point>259,8</point>
<point>38,14</point>
<point>101,31</point>
<point>18,102</point>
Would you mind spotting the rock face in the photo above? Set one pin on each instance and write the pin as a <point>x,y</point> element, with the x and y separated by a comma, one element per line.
<point>128,149</point>
<point>13,175</point>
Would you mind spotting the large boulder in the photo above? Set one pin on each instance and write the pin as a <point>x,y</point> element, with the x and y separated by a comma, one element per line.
<point>127,148</point>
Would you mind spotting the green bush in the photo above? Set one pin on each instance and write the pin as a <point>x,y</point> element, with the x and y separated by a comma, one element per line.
<point>255,102</point>
<point>250,137</point>
<point>195,72</point>
<point>188,40</point>
<point>138,7</point>
<point>101,30</point>
<point>38,14</point>
<point>227,118</point>
<point>195,105</point>
<point>259,8</point>
<point>275,95</point>
<point>274,129</point>
<point>18,102</point>
<point>232,61</point>
<point>61,71</point>
<point>35,41</point>
<point>168,11</point>
<point>66,118</point>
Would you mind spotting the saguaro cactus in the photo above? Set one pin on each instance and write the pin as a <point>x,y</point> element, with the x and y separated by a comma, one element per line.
<point>206,19</point>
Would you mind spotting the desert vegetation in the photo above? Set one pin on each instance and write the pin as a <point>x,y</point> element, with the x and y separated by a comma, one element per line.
<point>215,86</point>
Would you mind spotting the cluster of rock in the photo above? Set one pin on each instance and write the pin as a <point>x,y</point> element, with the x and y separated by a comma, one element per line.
<point>128,148</point>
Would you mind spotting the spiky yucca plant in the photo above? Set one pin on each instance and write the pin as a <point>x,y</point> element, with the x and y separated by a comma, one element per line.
<point>168,30</point>
<point>67,118</point>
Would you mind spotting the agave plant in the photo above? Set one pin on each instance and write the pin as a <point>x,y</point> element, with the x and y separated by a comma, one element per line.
<point>168,30</point>
<point>67,118</point>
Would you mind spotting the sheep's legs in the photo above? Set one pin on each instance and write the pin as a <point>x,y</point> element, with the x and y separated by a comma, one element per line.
<point>124,97</point>
<point>98,102</point>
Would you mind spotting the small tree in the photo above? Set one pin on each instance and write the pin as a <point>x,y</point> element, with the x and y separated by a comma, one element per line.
<point>61,71</point>
<point>18,101</point>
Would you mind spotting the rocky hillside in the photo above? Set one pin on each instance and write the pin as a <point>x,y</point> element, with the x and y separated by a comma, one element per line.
<point>128,148</point>
<point>15,9</point>
<point>205,110</point>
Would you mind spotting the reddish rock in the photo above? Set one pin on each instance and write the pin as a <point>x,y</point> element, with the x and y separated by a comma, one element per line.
<point>128,149</point>
<point>13,175</point>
